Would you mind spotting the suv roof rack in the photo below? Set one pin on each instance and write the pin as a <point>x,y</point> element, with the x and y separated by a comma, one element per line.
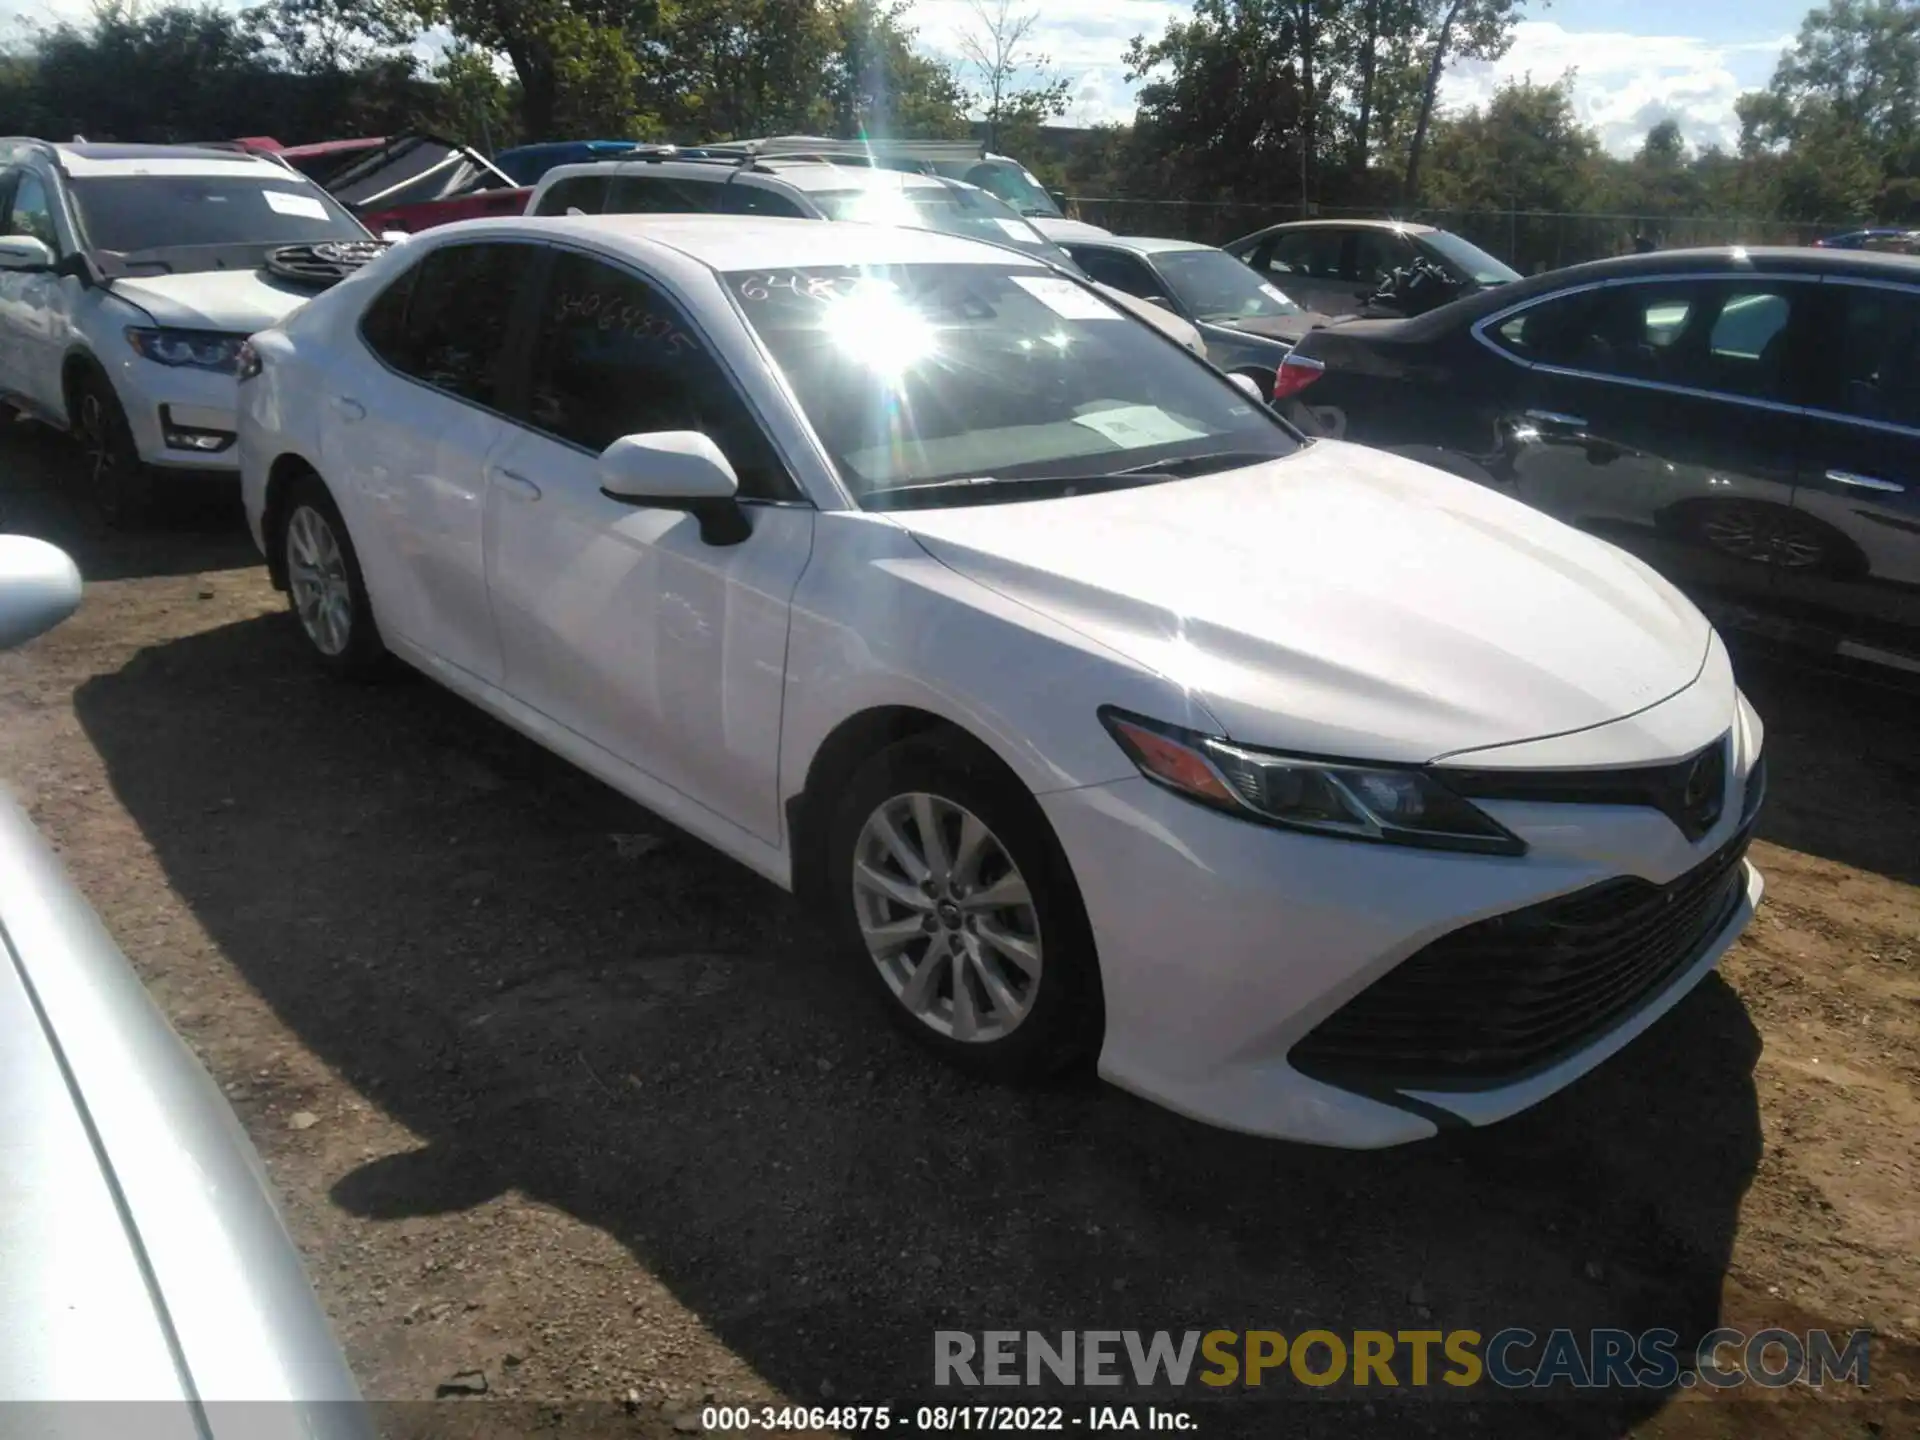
<point>11,145</point>
<point>868,152</point>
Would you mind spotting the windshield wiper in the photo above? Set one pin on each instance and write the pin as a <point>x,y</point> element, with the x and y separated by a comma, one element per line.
<point>1196,464</point>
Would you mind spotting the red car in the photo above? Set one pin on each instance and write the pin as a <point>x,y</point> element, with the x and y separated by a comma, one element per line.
<point>401,182</point>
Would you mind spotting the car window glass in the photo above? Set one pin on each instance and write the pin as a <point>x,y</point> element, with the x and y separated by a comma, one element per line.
<point>585,193</point>
<point>1122,272</point>
<point>1877,355</point>
<point>31,214</point>
<point>445,323</point>
<point>758,200</point>
<point>1314,254</point>
<point>1377,254</point>
<point>1702,335</point>
<point>661,195</point>
<point>612,356</point>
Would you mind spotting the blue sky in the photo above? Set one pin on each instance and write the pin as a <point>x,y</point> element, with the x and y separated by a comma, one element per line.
<point>1636,62</point>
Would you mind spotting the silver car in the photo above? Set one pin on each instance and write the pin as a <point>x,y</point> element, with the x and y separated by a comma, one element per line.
<point>141,1255</point>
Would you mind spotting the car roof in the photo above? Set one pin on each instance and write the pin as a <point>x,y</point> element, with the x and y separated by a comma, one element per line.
<point>741,242</point>
<point>1403,227</point>
<point>810,176</point>
<point>1141,244</point>
<point>84,159</point>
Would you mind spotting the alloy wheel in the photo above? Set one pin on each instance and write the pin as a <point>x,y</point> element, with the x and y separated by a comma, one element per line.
<point>1768,539</point>
<point>317,580</point>
<point>947,917</point>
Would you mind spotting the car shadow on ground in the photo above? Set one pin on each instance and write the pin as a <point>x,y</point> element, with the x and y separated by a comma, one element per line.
<point>659,1043</point>
<point>198,526</point>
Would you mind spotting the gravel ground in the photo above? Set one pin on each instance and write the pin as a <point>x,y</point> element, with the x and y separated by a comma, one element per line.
<point>564,1106</point>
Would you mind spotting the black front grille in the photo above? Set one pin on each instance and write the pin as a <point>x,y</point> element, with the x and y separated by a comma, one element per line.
<point>1507,997</point>
<point>1690,791</point>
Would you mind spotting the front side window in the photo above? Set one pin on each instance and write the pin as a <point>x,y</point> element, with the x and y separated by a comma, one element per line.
<point>134,214</point>
<point>1377,254</point>
<point>444,322</point>
<point>1728,337</point>
<point>940,384</point>
<point>1874,358</point>
<point>31,213</point>
<point>1218,288</point>
<point>1310,254</point>
<point>613,356</point>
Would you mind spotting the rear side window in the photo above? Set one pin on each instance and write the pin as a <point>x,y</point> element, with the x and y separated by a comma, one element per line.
<point>1122,272</point>
<point>661,195</point>
<point>585,193</point>
<point>444,323</point>
<point>1377,254</point>
<point>31,214</point>
<point>1875,357</point>
<point>1314,254</point>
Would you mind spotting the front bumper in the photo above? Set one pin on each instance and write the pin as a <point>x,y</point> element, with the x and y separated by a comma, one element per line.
<point>1224,943</point>
<point>169,406</point>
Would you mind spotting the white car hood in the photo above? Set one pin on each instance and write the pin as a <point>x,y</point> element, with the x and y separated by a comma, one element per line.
<point>237,301</point>
<point>1344,602</point>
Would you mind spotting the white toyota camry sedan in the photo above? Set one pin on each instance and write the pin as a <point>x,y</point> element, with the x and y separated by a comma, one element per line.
<point>1309,791</point>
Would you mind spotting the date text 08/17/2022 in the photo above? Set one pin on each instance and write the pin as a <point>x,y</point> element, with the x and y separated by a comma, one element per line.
<point>741,1419</point>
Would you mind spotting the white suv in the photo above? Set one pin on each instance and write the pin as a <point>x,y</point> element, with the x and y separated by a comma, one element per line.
<point>130,274</point>
<point>741,181</point>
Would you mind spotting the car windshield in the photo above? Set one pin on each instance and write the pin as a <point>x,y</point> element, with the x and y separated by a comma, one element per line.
<point>1218,288</point>
<point>130,214</point>
<point>930,383</point>
<point>951,209</point>
<point>1470,259</point>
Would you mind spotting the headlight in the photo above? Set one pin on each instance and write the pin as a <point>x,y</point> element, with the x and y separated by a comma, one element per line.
<point>196,349</point>
<point>1390,804</point>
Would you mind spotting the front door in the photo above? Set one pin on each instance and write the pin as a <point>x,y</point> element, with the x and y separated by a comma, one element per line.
<point>1660,415</point>
<point>410,422</point>
<point>619,621</point>
<point>1859,481</point>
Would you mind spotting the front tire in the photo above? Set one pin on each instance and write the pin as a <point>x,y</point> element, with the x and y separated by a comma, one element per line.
<point>957,903</point>
<point>325,589</point>
<point>121,488</point>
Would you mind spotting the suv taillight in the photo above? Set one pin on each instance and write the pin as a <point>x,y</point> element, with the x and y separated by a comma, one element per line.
<point>1296,373</point>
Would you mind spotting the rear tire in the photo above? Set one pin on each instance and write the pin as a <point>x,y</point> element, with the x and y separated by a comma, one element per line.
<point>325,589</point>
<point>954,898</point>
<point>122,490</point>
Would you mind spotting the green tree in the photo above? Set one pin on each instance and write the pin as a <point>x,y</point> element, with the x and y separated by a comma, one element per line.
<point>1466,29</point>
<point>997,50</point>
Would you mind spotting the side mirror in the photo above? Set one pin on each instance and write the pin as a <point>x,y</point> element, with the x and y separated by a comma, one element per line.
<point>1248,386</point>
<point>24,253</point>
<point>677,470</point>
<point>39,587</point>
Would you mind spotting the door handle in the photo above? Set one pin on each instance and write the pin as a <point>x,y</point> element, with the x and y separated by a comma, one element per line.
<point>516,484</point>
<point>349,408</point>
<point>1866,482</point>
<point>1556,417</point>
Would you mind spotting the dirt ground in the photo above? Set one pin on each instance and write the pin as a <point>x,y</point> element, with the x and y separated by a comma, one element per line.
<point>565,1106</point>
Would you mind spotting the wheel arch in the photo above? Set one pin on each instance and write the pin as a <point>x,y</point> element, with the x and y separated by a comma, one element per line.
<point>79,364</point>
<point>285,471</point>
<point>847,747</point>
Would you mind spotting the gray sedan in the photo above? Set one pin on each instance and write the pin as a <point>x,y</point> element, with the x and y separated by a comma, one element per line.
<point>141,1256</point>
<point>1249,325</point>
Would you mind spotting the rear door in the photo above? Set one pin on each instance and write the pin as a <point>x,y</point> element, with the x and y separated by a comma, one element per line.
<point>1857,565</point>
<point>409,423</point>
<point>1661,414</point>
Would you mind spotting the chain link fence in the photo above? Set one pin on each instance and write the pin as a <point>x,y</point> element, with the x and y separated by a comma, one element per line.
<point>1528,240</point>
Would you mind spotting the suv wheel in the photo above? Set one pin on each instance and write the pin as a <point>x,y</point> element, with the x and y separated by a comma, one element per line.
<point>119,486</point>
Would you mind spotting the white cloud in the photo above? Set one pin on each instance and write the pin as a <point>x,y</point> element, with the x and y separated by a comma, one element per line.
<point>1625,84</point>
